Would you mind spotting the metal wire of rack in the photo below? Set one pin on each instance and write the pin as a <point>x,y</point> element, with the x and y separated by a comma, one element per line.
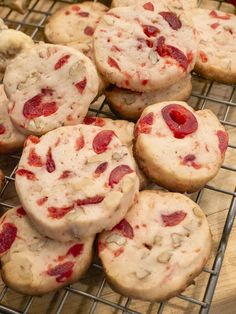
<point>58,300</point>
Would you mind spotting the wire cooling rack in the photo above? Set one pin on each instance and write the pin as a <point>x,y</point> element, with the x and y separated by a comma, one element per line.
<point>92,294</point>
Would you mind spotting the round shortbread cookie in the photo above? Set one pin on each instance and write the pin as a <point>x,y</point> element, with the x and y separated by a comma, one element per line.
<point>145,48</point>
<point>216,58</point>
<point>129,105</point>
<point>125,132</point>
<point>75,22</point>
<point>178,148</point>
<point>158,249</point>
<point>12,43</point>
<point>49,86</point>
<point>2,179</point>
<point>10,138</point>
<point>175,4</point>
<point>33,264</point>
<point>72,184</point>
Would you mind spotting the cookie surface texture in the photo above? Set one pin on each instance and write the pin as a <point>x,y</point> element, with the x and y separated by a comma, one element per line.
<point>155,252</point>
<point>49,86</point>
<point>75,184</point>
<point>33,264</point>
<point>179,148</point>
<point>145,49</point>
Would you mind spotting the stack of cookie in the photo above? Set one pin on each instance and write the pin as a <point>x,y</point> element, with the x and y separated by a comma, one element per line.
<point>80,177</point>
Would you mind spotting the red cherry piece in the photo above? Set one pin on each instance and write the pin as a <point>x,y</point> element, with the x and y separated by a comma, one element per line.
<point>42,200</point>
<point>102,140</point>
<point>49,108</point>
<point>50,164</point>
<point>172,19</point>
<point>89,120</point>
<point>81,85</point>
<point>223,141</point>
<point>32,107</point>
<point>20,211</point>
<point>203,56</point>
<point>66,174</point>
<point>33,139</point>
<point>76,250</point>
<point>215,25</point>
<point>75,8</point>
<point>113,63</point>
<point>125,229</point>
<point>150,30</point>
<point>118,173</point>
<point>62,271</point>
<point>90,200</point>
<point>89,30</point>
<point>101,246</point>
<point>59,212</point>
<point>170,51</point>
<point>144,124</point>
<point>34,159</point>
<point>83,14</point>
<point>189,160</point>
<point>119,252</point>
<point>7,236</point>
<point>26,173</point>
<point>180,120</point>
<point>2,129</point>
<point>79,143</point>
<point>67,13</point>
<point>173,219</point>
<point>148,6</point>
<point>214,14</point>
<point>101,168</point>
<point>63,60</point>
<point>94,120</point>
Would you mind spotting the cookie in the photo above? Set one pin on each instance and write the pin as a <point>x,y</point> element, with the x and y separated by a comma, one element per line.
<point>216,58</point>
<point>145,48</point>
<point>11,139</point>
<point>12,43</point>
<point>20,6</point>
<point>33,264</point>
<point>49,86</point>
<point>129,105</point>
<point>75,22</point>
<point>178,148</point>
<point>2,180</point>
<point>73,184</point>
<point>125,132</point>
<point>175,4</point>
<point>157,250</point>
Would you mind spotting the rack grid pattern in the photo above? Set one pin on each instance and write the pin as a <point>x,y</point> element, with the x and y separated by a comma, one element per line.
<point>200,99</point>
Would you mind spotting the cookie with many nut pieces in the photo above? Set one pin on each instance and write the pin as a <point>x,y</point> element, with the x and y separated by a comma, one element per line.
<point>166,240</point>
<point>129,105</point>
<point>125,132</point>
<point>18,5</point>
<point>49,86</point>
<point>178,148</point>
<point>33,264</point>
<point>10,138</point>
<point>2,179</point>
<point>216,58</point>
<point>175,4</point>
<point>72,185</point>
<point>145,47</point>
<point>75,22</point>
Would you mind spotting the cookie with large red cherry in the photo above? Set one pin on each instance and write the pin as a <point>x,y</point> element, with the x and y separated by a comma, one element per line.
<point>74,22</point>
<point>179,148</point>
<point>34,264</point>
<point>10,138</point>
<point>145,47</point>
<point>216,59</point>
<point>157,250</point>
<point>49,86</point>
<point>71,183</point>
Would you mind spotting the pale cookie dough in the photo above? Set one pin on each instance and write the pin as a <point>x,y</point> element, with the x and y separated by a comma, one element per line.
<point>72,182</point>
<point>179,148</point>
<point>145,48</point>
<point>175,4</point>
<point>12,43</point>
<point>49,86</point>
<point>75,22</point>
<point>129,105</point>
<point>33,264</point>
<point>216,58</point>
<point>2,179</point>
<point>18,5</point>
<point>11,139</point>
<point>125,131</point>
<point>157,250</point>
